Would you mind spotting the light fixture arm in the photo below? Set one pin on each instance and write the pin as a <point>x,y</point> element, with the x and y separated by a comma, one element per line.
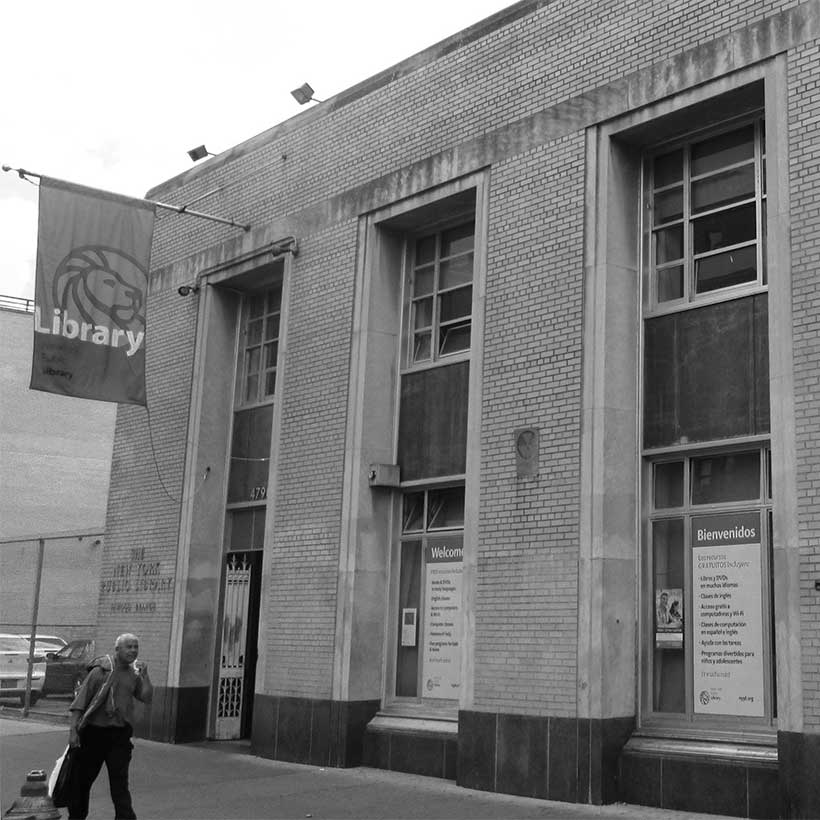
<point>286,245</point>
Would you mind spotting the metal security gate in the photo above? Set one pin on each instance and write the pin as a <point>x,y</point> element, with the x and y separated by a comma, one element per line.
<point>233,678</point>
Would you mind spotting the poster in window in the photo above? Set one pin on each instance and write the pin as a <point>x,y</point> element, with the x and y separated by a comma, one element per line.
<point>409,616</point>
<point>441,659</point>
<point>669,618</point>
<point>727,615</point>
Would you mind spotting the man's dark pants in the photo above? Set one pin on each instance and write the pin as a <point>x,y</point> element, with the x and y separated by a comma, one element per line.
<point>98,745</point>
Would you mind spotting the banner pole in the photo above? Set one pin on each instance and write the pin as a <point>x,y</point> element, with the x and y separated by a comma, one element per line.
<point>183,209</point>
<point>180,209</point>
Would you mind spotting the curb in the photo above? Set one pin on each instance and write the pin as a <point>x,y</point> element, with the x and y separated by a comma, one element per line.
<point>16,713</point>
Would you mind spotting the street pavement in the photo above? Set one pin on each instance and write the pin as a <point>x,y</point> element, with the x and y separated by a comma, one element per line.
<point>224,781</point>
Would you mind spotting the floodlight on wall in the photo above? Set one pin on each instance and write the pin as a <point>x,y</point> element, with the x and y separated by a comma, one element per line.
<point>304,94</point>
<point>199,152</point>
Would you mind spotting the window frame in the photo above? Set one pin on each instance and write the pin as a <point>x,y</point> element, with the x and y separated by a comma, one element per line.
<point>409,301</point>
<point>387,233</point>
<point>242,402</point>
<point>688,723</point>
<point>418,704</point>
<point>259,508</point>
<point>690,298</point>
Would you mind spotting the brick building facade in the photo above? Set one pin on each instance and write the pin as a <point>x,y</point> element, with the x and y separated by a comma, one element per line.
<point>488,451</point>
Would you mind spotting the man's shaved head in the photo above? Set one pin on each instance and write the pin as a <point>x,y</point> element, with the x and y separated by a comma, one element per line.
<point>126,636</point>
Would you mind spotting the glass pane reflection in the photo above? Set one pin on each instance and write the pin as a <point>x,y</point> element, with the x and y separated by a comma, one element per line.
<point>668,671</point>
<point>721,478</point>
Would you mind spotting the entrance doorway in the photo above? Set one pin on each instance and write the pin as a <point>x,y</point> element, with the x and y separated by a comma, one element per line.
<point>240,633</point>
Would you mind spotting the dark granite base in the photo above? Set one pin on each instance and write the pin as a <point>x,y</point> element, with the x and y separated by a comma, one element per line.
<point>429,754</point>
<point>738,789</point>
<point>580,761</point>
<point>318,732</point>
<point>176,715</point>
<point>799,784</point>
<point>572,760</point>
<point>298,730</point>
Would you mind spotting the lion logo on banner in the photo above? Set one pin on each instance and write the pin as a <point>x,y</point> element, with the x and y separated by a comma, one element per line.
<point>103,285</point>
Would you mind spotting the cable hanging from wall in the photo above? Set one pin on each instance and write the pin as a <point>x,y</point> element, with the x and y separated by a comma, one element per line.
<point>165,489</point>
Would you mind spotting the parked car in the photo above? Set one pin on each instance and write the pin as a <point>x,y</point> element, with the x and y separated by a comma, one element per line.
<point>66,668</point>
<point>46,643</point>
<point>14,655</point>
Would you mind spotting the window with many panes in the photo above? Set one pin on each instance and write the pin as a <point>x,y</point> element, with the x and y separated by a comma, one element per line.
<point>243,539</point>
<point>431,451</point>
<point>253,414</point>
<point>708,214</point>
<point>437,333</point>
<point>428,656</point>
<point>441,293</point>
<point>260,345</point>
<point>708,619</point>
<point>707,586</point>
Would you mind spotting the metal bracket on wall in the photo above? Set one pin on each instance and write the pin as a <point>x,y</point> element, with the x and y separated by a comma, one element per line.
<point>383,475</point>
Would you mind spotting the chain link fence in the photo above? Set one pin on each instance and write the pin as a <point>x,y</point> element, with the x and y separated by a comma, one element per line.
<point>49,588</point>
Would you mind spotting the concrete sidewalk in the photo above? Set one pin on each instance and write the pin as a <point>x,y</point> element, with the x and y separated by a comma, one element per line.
<point>222,780</point>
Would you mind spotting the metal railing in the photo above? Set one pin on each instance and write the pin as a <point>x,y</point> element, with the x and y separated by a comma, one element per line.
<point>16,303</point>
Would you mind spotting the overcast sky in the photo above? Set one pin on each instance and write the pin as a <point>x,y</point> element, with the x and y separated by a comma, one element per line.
<point>112,94</point>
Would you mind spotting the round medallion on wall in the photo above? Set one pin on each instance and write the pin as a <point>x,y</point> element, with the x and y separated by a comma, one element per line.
<point>525,444</point>
<point>526,452</point>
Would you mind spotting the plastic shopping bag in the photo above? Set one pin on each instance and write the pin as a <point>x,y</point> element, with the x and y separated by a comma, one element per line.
<point>59,782</point>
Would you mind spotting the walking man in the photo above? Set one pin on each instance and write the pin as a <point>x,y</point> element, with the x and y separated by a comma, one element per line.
<point>100,726</point>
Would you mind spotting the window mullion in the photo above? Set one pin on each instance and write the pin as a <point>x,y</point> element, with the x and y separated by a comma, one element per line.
<point>732,166</point>
<point>688,626</point>
<point>688,265</point>
<point>724,208</point>
<point>436,318</point>
<point>723,249</point>
<point>758,147</point>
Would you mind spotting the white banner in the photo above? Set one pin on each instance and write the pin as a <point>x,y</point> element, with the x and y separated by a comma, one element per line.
<point>727,615</point>
<point>441,658</point>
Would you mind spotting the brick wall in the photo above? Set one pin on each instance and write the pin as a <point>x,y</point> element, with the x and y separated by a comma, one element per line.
<point>526,601</point>
<point>804,178</point>
<point>308,503</point>
<point>142,527</point>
